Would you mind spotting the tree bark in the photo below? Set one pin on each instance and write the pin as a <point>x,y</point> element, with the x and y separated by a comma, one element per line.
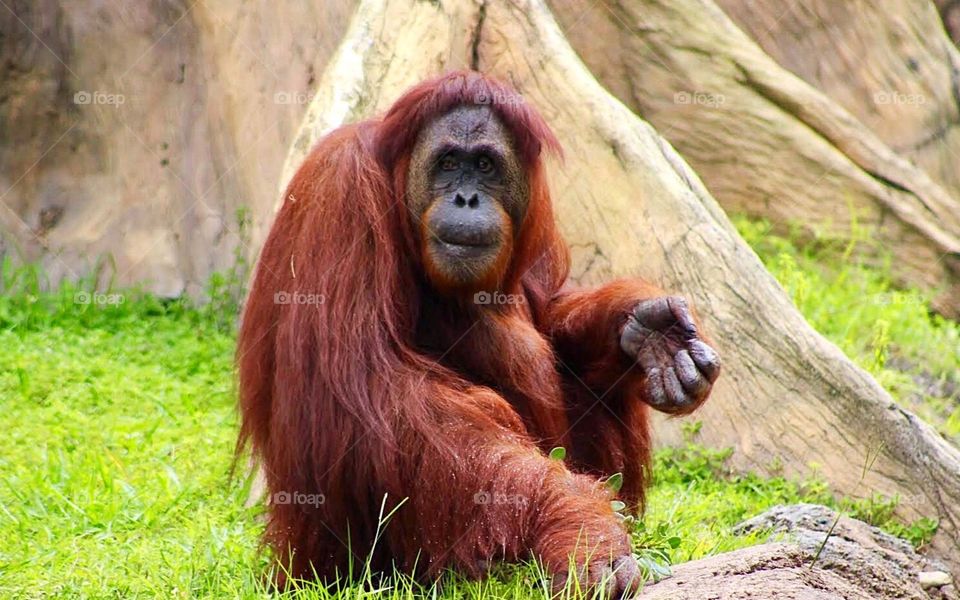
<point>889,63</point>
<point>629,205</point>
<point>134,132</point>
<point>764,141</point>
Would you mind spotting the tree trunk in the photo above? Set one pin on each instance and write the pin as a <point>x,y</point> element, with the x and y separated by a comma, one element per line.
<point>764,141</point>
<point>630,206</point>
<point>134,132</point>
<point>890,64</point>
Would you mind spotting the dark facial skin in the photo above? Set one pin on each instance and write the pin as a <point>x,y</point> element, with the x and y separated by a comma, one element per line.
<point>467,194</point>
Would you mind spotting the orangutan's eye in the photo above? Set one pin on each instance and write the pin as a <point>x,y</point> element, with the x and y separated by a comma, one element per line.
<point>449,163</point>
<point>484,164</point>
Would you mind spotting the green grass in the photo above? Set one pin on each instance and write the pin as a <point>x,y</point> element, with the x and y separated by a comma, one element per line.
<point>119,425</point>
<point>889,332</point>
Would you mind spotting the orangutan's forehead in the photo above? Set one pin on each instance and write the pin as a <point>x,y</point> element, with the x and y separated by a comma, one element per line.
<point>466,126</point>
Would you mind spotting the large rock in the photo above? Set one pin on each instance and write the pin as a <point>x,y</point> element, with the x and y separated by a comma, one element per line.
<point>858,561</point>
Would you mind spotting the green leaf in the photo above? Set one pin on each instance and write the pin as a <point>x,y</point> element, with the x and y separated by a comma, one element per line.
<point>653,570</point>
<point>617,506</point>
<point>558,453</point>
<point>615,482</point>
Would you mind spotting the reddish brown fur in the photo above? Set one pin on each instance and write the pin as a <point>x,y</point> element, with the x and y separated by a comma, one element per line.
<point>388,389</point>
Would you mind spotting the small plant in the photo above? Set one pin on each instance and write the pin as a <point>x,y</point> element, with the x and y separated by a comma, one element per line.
<point>226,290</point>
<point>656,547</point>
<point>878,510</point>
